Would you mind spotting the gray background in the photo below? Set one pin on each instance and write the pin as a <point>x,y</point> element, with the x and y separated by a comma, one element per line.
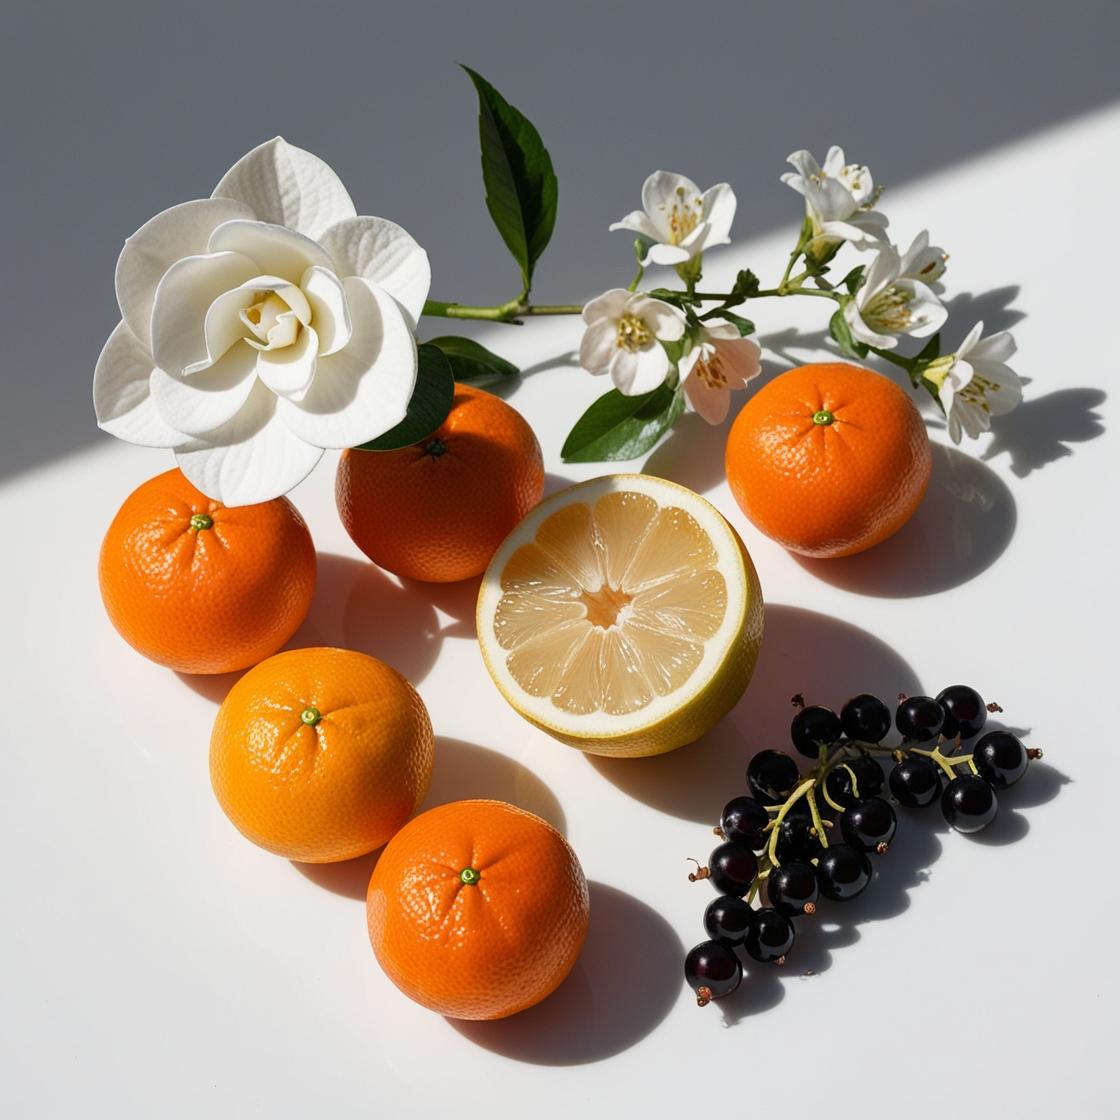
<point>114,111</point>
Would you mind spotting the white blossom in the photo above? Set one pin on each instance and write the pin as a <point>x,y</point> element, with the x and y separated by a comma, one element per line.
<point>720,361</point>
<point>623,338</point>
<point>889,304</point>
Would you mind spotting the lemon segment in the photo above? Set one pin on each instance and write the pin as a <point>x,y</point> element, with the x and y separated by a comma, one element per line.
<point>622,616</point>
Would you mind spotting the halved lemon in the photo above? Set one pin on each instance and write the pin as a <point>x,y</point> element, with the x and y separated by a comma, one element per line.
<point>622,615</point>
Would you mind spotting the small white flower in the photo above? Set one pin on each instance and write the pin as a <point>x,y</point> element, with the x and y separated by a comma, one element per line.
<point>623,338</point>
<point>924,262</point>
<point>839,200</point>
<point>720,361</point>
<point>680,220</point>
<point>888,304</point>
<point>975,383</point>
<point>260,326</point>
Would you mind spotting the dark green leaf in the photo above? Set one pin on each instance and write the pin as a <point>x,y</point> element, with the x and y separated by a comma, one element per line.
<point>617,427</point>
<point>430,404</point>
<point>745,325</point>
<point>854,278</point>
<point>472,362</point>
<point>517,171</point>
<point>931,350</point>
<point>677,299</point>
<point>839,329</point>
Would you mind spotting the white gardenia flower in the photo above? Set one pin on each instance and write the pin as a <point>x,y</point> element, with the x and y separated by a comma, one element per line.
<point>720,361</point>
<point>889,304</point>
<point>839,201</point>
<point>260,326</point>
<point>623,338</point>
<point>679,219</point>
<point>924,262</point>
<point>975,383</point>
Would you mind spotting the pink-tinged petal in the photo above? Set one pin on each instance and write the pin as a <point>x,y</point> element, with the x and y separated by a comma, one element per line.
<point>597,346</point>
<point>277,251</point>
<point>181,231</point>
<point>362,391</point>
<point>741,359</point>
<point>289,187</point>
<point>198,404</point>
<point>329,312</point>
<point>121,393</point>
<point>289,370</point>
<point>252,458</point>
<point>710,402</point>
<point>379,250</point>
<point>183,297</point>
<point>610,305</point>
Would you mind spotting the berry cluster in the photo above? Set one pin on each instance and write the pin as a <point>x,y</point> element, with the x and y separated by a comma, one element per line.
<point>804,837</point>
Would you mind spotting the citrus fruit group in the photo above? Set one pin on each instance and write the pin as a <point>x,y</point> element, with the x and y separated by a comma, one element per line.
<point>438,510</point>
<point>477,909</point>
<point>623,616</point>
<point>201,587</point>
<point>321,754</point>
<point>829,459</point>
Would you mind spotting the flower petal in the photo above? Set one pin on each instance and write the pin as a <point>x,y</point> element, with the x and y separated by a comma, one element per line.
<point>289,370</point>
<point>329,312</point>
<point>379,250</point>
<point>121,395</point>
<point>666,321</point>
<point>637,221</point>
<point>719,212</point>
<point>252,458</point>
<point>807,166</point>
<point>289,187</point>
<point>205,401</point>
<point>639,372</point>
<point>363,390</point>
<point>711,403</point>
<point>661,192</point>
<point>863,333</point>
<point>183,297</point>
<point>996,348</point>
<point>741,359</point>
<point>928,313</point>
<point>597,346</point>
<point>610,305</point>
<point>277,251</point>
<point>883,270</point>
<point>181,231</point>
<point>666,255</point>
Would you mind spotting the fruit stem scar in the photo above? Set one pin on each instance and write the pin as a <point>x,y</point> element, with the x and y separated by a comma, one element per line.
<point>310,716</point>
<point>435,448</point>
<point>470,876</point>
<point>200,521</point>
<point>823,417</point>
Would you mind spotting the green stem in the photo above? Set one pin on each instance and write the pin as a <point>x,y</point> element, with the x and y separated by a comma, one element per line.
<point>509,312</point>
<point>899,360</point>
<point>763,293</point>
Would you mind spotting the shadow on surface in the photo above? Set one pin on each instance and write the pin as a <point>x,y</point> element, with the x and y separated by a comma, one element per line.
<point>993,307</point>
<point>802,651</point>
<point>1040,430</point>
<point>461,771</point>
<point>625,982</point>
<point>964,524</point>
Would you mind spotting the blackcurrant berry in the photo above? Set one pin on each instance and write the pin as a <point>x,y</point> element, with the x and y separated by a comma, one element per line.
<point>865,718</point>
<point>728,918</point>
<point>1001,758</point>
<point>813,728</point>
<point>840,784</point>
<point>869,775</point>
<point>732,868</point>
<point>915,782</point>
<point>712,970</point>
<point>965,712</point>
<point>796,840</point>
<point>870,825</point>
<point>969,803</point>
<point>770,938</point>
<point>771,775</point>
<point>842,872</point>
<point>744,820</point>
<point>919,718</point>
<point>792,888</point>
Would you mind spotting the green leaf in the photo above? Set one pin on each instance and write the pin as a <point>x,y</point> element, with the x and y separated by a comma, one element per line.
<point>472,362</point>
<point>839,329</point>
<point>745,325</point>
<point>617,427</point>
<point>931,350</point>
<point>854,278</point>
<point>430,404</point>
<point>517,170</point>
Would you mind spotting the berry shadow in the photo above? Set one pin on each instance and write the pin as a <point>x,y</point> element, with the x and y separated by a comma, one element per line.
<point>619,990</point>
<point>461,771</point>
<point>803,651</point>
<point>962,527</point>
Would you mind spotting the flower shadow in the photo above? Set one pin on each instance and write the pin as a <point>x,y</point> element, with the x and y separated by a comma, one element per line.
<point>962,527</point>
<point>624,984</point>
<point>461,771</point>
<point>1040,430</point>
<point>803,651</point>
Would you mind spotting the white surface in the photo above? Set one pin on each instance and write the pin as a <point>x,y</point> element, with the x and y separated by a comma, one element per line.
<point>152,962</point>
